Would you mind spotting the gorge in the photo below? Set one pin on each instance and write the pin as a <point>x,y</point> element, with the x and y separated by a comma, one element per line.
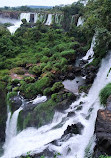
<point>55,82</point>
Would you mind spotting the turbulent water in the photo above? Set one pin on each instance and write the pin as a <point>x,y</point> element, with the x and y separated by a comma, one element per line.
<point>36,140</point>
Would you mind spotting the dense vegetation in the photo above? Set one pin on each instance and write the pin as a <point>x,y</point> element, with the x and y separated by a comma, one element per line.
<point>35,60</point>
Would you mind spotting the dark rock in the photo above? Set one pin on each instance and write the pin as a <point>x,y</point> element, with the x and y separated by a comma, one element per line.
<point>90,73</point>
<point>103,133</point>
<point>79,108</point>
<point>108,104</point>
<point>16,102</point>
<point>45,153</point>
<point>3,112</point>
<point>71,76</point>
<point>77,70</point>
<point>70,114</point>
<point>74,129</point>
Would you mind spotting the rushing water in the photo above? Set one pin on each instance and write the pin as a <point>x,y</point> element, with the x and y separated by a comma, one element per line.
<point>36,140</point>
<point>90,52</point>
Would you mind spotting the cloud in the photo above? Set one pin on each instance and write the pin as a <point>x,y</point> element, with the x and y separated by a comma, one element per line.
<point>34,2</point>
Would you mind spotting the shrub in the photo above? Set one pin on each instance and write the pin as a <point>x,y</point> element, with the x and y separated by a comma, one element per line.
<point>41,84</point>
<point>57,87</point>
<point>44,59</point>
<point>15,82</point>
<point>68,53</point>
<point>36,70</point>
<point>47,91</point>
<point>29,79</point>
<point>105,93</point>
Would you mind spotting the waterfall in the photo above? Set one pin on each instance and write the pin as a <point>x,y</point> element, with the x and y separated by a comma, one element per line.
<point>11,126</point>
<point>49,20</point>
<point>17,24</point>
<point>90,52</point>
<point>80,21</point>
<point>36,140</point>
<point>25,16</point>
<point>36,17</point>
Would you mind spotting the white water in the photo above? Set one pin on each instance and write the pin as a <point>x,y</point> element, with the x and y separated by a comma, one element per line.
<point>17,24</point>
<point>36,140</point>
<point>90,52</point>
<point>11,126</point>
<point>49,20</point>
<point>80,21</point>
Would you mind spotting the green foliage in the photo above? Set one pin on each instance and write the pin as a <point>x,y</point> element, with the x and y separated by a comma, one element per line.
<point>57,87</point>
<point>68,53</point>
<point>29,79</point>
<point>105,93</point>
<point>102,156</point>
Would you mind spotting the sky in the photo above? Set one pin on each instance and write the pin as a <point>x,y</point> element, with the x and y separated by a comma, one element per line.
<point>13,3</point>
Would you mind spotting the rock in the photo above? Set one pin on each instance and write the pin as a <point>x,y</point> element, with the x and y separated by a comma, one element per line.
<point>74,129</point>
<point>70,114</point>
<point>11,15</point>
<point>46,153</point>
<point>16,102</point>
<point>3,112</point>
<point>90,73</point>
<point>108,104</point>
<point>103,133</point>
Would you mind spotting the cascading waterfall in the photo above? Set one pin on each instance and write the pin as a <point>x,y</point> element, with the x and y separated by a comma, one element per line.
<point>25,16</point>
<point>90,52</point>
<point>37,17</point>
<point>17,24</point>
<point>49,19</point>
<point>11,126</point>
<point>36,140</point>
<point>80,21</point>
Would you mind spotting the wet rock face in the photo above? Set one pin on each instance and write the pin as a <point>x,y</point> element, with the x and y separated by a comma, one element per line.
<point>16,102</point>
<point>103,132</point>
<point>74,129</point>
<point>11,15</point>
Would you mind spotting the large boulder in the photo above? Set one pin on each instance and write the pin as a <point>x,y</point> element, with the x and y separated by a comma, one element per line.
<point>103,133</point>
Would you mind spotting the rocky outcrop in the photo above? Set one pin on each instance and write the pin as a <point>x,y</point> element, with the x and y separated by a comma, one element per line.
<point>74,129</point>
<point>90,72</point>
<point>103,131</point>
<point>10,14</point>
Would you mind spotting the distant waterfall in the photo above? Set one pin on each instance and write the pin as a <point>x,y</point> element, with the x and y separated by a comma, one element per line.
<point>25,16</point>
<point>80,21</point>
<point>42,17</point>
<point>49,20</point>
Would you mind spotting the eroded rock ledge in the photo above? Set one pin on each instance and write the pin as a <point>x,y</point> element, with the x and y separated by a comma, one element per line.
<point>103,131</point>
